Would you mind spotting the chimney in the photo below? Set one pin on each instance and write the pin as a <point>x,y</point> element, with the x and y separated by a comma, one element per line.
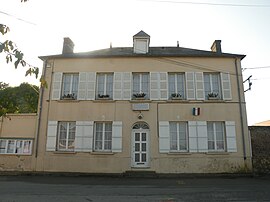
<point>68,46</point>
<point>216,46</point>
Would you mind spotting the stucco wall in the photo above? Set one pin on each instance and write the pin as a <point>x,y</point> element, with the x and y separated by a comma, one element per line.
<point>260,139</point>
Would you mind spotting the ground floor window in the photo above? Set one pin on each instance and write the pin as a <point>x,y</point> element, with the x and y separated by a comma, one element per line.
<point>103,136</point>
<point>66,136</point>
<point>215,134</point>
<point>15,146</point>
<point>178,136</point>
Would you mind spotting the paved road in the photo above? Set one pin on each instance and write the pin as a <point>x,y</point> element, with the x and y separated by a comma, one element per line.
<point>87,189</point>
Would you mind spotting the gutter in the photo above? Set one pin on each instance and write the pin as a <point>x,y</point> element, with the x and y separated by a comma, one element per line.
<point>40,111</point>
<point>241,110</point>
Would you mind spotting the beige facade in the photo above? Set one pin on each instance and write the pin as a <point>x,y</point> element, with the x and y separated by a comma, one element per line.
<point>116,110</point>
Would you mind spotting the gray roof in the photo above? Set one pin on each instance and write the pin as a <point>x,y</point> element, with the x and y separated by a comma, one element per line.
<point>141,34</point>
<point>153,52</point>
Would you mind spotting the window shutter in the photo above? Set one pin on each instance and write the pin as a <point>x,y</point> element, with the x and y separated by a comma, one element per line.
<point>226,86</point>
<point>126,90</point>
<point>117,136</point>
<point>193,140</point>
<point>190,86</point>
<point>202,136</point>
<point>164,137</point>
<point>163,85</point>
<point>117,86</point>
<point>82,86</point>
<point>231,136</point>
<point>91,85</point>
<point>51,136</point>
<point>84,136</point>
<point>56,85</point>
<point>154,85</point>
<point>199,86</point>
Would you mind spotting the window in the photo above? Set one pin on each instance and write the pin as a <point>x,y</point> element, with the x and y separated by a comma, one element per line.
<point>104,86</point>
<point>178,136</point>
<point>141,85</point>
<point>15,146</point>
<point>215,134</point>
<point>176,86</point>
<point>66,136</point>
<point>103,136</point>
<point>70,86</point>
<point>212,86</point>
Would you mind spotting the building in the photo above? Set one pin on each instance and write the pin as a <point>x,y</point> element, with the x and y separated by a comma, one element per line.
<point>142,108</point>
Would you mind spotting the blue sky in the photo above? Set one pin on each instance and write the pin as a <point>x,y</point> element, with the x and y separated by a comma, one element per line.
<point>94,24</point>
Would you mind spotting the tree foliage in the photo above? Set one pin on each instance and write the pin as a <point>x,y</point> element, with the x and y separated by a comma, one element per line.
<point>20,99</point>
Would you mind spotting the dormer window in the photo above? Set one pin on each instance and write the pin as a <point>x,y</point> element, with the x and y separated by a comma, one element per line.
<point>141,42</point>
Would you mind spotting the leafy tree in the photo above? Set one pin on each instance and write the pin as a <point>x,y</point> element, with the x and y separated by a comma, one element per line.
<point>20,99</point>
<point>13,54</point>
<point>3,85</point>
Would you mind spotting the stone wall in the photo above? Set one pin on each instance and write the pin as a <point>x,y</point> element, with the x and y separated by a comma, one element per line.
<point>260,140</point>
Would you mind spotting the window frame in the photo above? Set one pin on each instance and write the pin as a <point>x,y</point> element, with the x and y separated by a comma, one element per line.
<point>67,139</point>
<point>219,96</point>
<point>15,149</point>
<point>178,139</point>
<point>215,136</point>
<point>105,91</point>
<point>103,137</point>
<point>176,87</point>
<point>71,95</point>
<point>147,93</point>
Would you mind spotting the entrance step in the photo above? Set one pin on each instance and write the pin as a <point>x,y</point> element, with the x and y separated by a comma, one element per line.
<point>140,174</point>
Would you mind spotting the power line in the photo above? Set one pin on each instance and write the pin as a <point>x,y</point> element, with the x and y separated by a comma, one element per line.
<point>265,67</point>
<point>20,19</point>
<point>208,4</point>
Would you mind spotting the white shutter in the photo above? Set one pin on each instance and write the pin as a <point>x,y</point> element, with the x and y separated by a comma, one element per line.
<point>117,136</point>
<point>164,137</point>
<point>84,136</point>
<point>51,136</point>
<point>117,86</point>
<point>226,86</point>
<point>56,85</point>
<point>90,85</point>
<point>82,86</point>
<point>231,136</point>
<point>199,85</point>
<point>126,82</point>
<point>163,79</point>
<point>154,86</point>
<point>190,86</point>
<point>193,140</point>
<point>202,136</point>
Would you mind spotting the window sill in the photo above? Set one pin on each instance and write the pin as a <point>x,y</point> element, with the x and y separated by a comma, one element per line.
<point>137,100</point>
<point>68,100</point>
<point>179,153</point>
<point>215,100</point>
<point>64,152</point>
<point>6,154</point>
<point>177,100</point>
<point>217,153</point>
<point>103,100</point>
<point>102,153</point>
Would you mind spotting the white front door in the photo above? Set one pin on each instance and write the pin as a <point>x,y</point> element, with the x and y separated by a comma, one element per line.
<point>140,148</point>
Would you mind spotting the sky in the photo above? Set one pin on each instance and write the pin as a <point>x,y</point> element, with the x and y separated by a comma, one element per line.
<point>38,28</point>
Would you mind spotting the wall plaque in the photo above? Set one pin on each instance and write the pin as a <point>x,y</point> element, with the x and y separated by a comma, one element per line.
<point>140,107</point>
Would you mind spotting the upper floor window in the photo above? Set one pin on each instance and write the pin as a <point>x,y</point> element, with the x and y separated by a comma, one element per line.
<point>176,86</point>
<point>141,85</point>
<point>103,136</point>
<point>104,86</point>
<point>15,146</point>
<point>66,136</point>
<point>215,134</point>
<point>70,86</point>
<point>212,86</point>
<point>178,136</point>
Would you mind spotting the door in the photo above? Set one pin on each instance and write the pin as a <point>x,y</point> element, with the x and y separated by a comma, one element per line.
<point>140,148</point>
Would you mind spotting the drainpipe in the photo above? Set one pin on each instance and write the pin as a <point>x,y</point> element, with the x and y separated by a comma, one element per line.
<point>241,110</point>
<point>39,111</point>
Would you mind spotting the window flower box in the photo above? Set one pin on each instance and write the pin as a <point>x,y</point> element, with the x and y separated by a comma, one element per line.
<point>103,97</point>
<point>68,96</point>
<point>139,96</point>
<point>176,96</point>
<point>213,96</point>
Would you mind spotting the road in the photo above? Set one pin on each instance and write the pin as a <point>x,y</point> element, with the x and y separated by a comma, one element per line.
<point>87,189</point>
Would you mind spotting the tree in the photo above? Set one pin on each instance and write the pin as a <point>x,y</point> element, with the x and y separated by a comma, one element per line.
<point>3,85</point>
<point>13,54</point>
<point>20,99</point>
